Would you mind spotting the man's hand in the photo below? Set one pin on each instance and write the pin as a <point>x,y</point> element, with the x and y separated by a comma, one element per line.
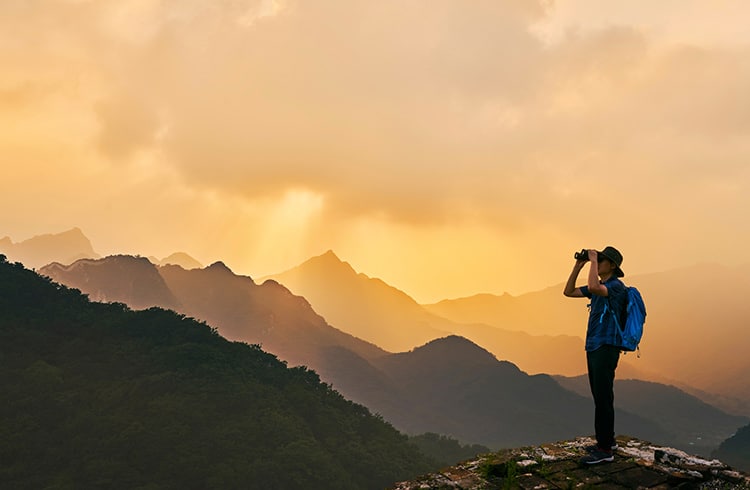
<point>593,255</point>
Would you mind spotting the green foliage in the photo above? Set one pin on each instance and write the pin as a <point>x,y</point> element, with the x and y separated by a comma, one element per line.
<point>99,396</point>
<point>446,450</point>
<point>511,477</point>
<point>501,469</point>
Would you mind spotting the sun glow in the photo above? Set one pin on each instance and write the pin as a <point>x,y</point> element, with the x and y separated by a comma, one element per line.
<point>444,150</point>
<point>287,225</point>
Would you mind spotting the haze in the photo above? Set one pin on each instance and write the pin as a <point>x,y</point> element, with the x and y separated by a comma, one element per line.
<point>447,147</point>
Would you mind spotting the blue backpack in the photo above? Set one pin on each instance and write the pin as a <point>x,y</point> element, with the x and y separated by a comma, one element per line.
<point>635,317</point>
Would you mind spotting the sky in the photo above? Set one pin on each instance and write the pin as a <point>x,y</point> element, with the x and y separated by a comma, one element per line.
<point>447,147</point>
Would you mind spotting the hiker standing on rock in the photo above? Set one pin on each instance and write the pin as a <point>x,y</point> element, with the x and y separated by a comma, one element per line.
<point>608,298</point>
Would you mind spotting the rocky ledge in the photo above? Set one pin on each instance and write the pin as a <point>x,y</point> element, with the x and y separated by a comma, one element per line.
<point>637,465</point>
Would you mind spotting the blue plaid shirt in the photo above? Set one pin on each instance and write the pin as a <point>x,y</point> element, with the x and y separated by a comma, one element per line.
<point>602,329</point>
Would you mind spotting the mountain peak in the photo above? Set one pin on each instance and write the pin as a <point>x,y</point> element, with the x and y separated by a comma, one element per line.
<point>219,266</point>
<point>329,259</point>
<point>330,254</point>
<point>128,279</point>
<point>74,235</point>
<point>453,350</point>
<point>39,250</point>
<point>327,263</point>
<point>366,307</point>
<point>74,231</point>
<point>182,259</point>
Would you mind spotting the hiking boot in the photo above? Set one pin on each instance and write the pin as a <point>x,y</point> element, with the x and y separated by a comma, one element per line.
<point>598,456</point>
<point>594,447</point>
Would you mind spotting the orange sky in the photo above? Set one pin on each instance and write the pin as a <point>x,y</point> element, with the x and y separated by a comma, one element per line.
<point>448,147</point>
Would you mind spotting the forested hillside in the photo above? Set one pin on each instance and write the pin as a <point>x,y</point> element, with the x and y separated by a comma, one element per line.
<point>736,449</point>
<point>99,396</point>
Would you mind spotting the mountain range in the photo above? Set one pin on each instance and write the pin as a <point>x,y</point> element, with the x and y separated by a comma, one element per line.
<point>695,336</point>
<point>371,309</point>
<point>449,385</point>
<point>691,423</point>
<point>69,246</point>
<point>40,250</point>
<point>267,314</point>
<point>487,320</point>
<point>99,396</point>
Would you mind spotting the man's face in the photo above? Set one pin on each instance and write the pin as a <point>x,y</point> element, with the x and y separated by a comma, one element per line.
<point>605,266</point>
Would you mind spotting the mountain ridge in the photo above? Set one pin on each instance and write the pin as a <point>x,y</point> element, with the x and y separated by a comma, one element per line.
<point>370,298</point>
<point>178,258</point>
<point>122,278</point>
<point>377,312</point>
<point>267,314</point>
<point>708,427</point>
<point>102,396</point>
<point>39,250</point>
<point>686,322</point>
<point>460,390</point>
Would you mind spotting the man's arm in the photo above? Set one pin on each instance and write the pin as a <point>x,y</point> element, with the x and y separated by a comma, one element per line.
<point>571,290</point>
<point>595,286</point>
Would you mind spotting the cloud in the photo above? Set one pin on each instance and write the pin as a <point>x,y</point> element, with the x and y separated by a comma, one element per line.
<point>380,106</point>
<point>427,112</point>
<point>414,110</point>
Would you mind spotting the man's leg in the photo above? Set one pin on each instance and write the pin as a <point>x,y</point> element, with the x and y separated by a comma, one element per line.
<point>601,365</point>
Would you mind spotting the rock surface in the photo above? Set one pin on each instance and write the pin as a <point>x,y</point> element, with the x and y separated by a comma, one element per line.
<point>637,465</point>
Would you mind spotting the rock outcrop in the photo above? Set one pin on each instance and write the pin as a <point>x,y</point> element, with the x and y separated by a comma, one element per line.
<point>637,464</point>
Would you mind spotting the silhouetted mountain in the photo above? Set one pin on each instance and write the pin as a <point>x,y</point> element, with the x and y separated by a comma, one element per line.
<point>532,337</point>
<point>265,314</point>
<point>545,312</point>
<point>736,450</point>
<point>99,396</point>
<point>367,308</point>
<point>535,354</point>
<point>40,250</point>
<point>372,310</point>
<point>730,404</point>
<point>452,386</point>
<point>178,258</point>
<point>698,335</point>
<point>695,335</point>
<point>118,278</point>
<point>691,423</point>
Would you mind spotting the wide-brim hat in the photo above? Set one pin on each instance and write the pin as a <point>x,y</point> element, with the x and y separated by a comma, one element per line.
<point>615,257</point>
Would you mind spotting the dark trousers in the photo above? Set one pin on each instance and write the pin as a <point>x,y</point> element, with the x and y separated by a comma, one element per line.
<point>602,364</point>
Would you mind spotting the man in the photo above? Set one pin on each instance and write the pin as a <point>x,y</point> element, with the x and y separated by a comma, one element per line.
<point>608,298</point>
